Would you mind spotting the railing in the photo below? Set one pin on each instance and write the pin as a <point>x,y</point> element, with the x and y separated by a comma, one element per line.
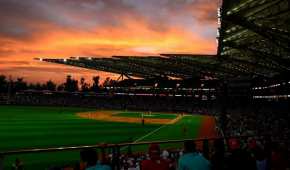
<point>116,148</point>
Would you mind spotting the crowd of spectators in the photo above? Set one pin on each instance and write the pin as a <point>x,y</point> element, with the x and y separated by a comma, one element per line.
<point>270,119</point>
<point>263,118</point>
<point>233,154</point>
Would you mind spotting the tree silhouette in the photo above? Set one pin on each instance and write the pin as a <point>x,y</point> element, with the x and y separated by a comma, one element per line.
<point>31,86</point>
<point>95,87</point>
<point>106,82</point>
<point>50,85</point>
<point>85,87</point>
<point>20,84</point>
<point>60,87</point>
<point>38,86</point>
<point>71,85</point>
<point>109,82</point>
<point>3,84</point>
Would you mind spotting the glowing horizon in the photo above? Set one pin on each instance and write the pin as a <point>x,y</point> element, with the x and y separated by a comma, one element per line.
<point>60,28</point>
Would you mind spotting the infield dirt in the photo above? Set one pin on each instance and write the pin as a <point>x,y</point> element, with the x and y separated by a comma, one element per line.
<point>108,116</point>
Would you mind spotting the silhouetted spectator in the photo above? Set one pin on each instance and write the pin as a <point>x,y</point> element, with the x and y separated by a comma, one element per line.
<point>89,161</point>
<point>218,156</point>
<point>278,158</point>
<point>240,159</point>
<point>155,162</point>
<point>192,160</point>
<point>261,161</point>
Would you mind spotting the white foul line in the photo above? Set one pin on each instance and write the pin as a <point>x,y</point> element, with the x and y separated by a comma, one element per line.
<point>154,131</point>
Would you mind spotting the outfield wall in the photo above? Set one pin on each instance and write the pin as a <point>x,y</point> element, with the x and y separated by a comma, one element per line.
<point>146,103</point>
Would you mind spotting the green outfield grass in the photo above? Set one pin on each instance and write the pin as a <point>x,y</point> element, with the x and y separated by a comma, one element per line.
<point>146,114</point>
<point>42,127</point>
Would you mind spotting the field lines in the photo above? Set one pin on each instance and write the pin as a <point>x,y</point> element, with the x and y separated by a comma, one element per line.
<point>41,127</point>
<point>156,130</point>
<point>185,127</point>
<point>153,132</point>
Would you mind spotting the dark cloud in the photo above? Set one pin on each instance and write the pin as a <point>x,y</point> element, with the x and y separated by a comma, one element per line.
<point>18,17</point>
<point>15,17</point>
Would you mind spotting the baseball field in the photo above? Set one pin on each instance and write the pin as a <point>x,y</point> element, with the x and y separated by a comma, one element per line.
<point>23,127</point>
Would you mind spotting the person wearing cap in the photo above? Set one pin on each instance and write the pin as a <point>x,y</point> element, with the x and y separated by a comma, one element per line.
<point>155,162</point>
<point>192,160</point>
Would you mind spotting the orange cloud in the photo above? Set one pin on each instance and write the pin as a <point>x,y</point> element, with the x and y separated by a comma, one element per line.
<point>134,35</point>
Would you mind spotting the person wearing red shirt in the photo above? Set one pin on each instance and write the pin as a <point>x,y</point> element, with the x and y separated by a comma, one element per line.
<point>155,162</point>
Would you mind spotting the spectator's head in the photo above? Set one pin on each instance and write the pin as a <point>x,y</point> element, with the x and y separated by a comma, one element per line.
<point>252,144</point>
<point>154,151</point>
<point>89,157</point>
<point>189,146</point>
<point>234,144</point>
<point>165,154</point>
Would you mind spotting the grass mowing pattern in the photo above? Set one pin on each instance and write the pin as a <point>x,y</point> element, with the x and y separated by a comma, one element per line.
<point>187,127</point>
<point>41,127</point>
<point>26,127</point>
<point>152,116</point>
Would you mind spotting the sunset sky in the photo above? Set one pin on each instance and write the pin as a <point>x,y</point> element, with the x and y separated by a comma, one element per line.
<point>64,28</point>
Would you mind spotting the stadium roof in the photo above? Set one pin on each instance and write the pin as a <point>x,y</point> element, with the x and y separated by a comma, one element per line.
<point>254,40</point>
<point>165,65</point>
<point>255,36</point>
